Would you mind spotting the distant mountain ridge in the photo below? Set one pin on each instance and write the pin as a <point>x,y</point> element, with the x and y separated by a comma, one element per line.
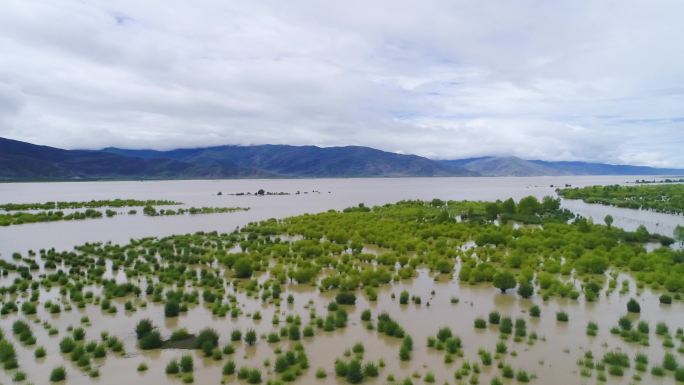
<point>21,161</point>
<point>513,166</point>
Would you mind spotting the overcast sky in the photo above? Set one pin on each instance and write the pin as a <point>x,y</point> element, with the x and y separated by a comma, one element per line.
<point>558,80</point>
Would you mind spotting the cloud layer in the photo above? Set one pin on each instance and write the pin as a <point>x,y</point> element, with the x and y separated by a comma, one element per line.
<point>561,80</point>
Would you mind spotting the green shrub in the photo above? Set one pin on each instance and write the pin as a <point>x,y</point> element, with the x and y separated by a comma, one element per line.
<point>494,318</point>
<point>143,327</point>
<point>633,306</point>
<point>535,311</point>
<point>58,374</point>
<point>250,337</point>
<point>186,364</point>
<point>670,362</point>
<point>236,335</point>
<point>151,340</point>
<point>207,339</point>
<point>562,316</point>
<point>679,374</point>
<point>366,315</point>
<point>345,298</point>
<point>40,352</point>
<point>229,368</point>
<point>171,309</point>
<point>172,367</point>
<point>444,334</point>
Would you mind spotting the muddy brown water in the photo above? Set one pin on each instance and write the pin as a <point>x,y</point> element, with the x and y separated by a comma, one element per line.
<point>552,358</point>
<point>332,194</point>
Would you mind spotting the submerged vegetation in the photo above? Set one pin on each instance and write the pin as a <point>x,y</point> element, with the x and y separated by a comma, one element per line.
<point>665,198</point>
<point>87,204</point>
<point>530,248</point>
<point>52,211</point>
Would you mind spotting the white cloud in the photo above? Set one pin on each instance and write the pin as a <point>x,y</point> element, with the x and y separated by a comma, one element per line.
<point>568,79</point>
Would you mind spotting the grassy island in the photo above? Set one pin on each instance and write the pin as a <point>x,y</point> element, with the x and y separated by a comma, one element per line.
<point>665,198</point>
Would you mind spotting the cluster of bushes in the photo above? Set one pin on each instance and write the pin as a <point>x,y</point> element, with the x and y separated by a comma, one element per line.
<point>291,364</point>
<point>23,332</point>
<point>86,204</point>
<point>180,271</point>
<point>388,326</point>
<point>445,340</point>
<point>148,335</point>
<point>81,352</point>
<point>666,198</point>
<point>8,355</point>
<point>182,368</point>
<point>22,217</point>
<point>354,371</point>
<point>150,210</point>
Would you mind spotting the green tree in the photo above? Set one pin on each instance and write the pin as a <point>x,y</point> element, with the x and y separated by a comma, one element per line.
<point>679,234</point>
<point>550,204</point>
<point>529,206</point>
<point>243,268</point>
<point>171,309</point>
<point>58,374</point>
<point>508,206</point>
<point>504,280</point>
<point>144,326</point>
<point>250,337</point>
<point>151,340</point>
<point>492,210</point>
<point>633,306</point>
<point>525,289</point>
<point>354,372</point>
<point>608,220</point>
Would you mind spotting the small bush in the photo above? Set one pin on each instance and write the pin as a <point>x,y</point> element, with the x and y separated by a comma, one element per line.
<point>404,297</point>
<point>250,337</point>
<point>366,315</point>
<point>186,364</point>
<point>172,367</point>
<point>58,374</point>
<point>40,352</point>
<point>535,311</point>
<point>143,327</point>
<point>670,362</point>
<point>633,306</point>
<point>229,368</point>
<point>171,309</point>
<point>207,338</point>
<point>562,316</point>
<point>151,340</point>
<point>345,298</point>
<point>494,318</point>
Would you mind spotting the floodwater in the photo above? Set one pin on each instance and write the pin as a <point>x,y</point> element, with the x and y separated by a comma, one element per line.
<point>552,358</point>
<point>332,194</point>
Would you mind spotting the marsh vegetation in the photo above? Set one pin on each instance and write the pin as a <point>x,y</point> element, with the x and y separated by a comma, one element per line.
<point>52,211</point>
<point>417,291</point>
<point>665,198</point>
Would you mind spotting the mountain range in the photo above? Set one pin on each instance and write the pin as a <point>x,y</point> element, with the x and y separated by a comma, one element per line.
<point>21,161</point>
